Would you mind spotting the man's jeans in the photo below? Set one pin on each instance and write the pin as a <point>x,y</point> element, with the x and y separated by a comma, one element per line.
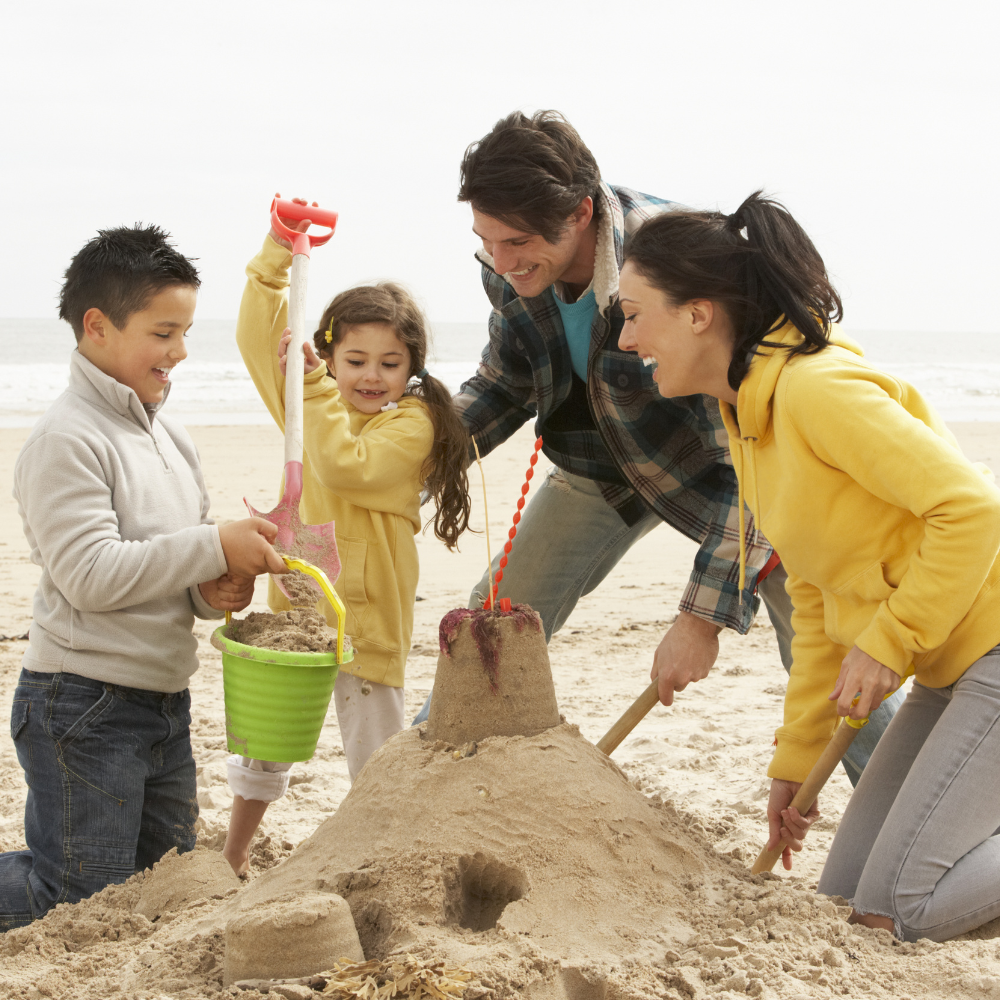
<point>569,540</point>
<point>111,788</point>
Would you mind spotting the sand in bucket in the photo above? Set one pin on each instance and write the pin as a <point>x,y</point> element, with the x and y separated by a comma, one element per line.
<point>278,682</point>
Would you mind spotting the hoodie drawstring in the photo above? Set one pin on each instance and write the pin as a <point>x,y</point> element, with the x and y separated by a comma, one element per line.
<point>750,441</point>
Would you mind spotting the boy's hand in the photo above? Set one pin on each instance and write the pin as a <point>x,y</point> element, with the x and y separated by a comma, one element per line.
<point>247,547</point>
<point>312,362</point>
<point>228,593</point>
<point>294,224</point>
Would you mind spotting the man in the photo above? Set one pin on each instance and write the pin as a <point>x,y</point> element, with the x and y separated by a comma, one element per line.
<point>626,459</point>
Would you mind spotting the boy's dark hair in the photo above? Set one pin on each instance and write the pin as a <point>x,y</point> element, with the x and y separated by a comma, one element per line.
<point>119,271</point>
<point>757,263</point>
<point>530,173</point>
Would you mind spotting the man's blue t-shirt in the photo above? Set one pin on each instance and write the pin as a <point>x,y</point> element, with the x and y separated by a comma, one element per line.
<point>577,318</point>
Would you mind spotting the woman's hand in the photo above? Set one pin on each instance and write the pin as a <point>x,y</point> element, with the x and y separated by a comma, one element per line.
<point>785,823</point>
<point>313,361</point>
<point>299,226</point>
<point>862,673</point>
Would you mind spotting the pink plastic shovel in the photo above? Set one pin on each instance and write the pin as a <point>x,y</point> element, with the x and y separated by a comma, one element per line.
<point>315,543</point>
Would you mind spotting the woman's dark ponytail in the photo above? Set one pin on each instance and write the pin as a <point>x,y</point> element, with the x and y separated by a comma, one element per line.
<point>757,263</point>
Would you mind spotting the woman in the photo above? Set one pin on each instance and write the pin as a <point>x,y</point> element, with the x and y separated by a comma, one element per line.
<point>890,538</point>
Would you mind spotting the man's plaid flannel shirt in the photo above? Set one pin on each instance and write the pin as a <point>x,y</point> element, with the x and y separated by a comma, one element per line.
<point>646,452</point>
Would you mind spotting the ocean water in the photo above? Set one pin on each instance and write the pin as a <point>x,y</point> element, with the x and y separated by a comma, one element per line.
<point>958,373</point>
<point>210,387</point>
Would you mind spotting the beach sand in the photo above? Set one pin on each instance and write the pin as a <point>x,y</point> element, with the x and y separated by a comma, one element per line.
<point>706,756</point>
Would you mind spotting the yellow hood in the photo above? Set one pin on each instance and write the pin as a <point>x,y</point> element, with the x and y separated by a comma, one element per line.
<point>889,535</point>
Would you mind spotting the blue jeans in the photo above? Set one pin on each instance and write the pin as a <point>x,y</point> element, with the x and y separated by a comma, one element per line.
<point>111,788</point>
<point>569,540</point>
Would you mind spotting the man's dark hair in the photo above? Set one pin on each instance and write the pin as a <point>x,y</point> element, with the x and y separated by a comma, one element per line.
<point>119,271</point>
<point>530,173</point>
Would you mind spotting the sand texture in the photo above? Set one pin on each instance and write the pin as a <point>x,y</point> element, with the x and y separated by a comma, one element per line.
<point>694,772</point>
<point>302,630</point>
<point>297,935</point>
<point>301,589</point>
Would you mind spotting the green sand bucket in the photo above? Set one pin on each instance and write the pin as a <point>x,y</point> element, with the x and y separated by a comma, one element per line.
<point>276,701</point>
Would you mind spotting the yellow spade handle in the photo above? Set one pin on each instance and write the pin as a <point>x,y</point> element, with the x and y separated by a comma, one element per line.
<point>328,592</point>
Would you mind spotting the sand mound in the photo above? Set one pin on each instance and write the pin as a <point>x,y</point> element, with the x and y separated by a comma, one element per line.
<point>537,836</point>
<point>699,926</point>
<point>302,630</point>
<point>177,881</point>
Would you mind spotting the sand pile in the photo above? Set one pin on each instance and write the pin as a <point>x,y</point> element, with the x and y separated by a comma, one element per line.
<point>301,630</point>
<point>530,860</point>
<point>617,898</point>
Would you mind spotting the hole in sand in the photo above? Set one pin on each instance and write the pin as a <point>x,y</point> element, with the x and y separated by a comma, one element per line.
<point>484,887</point>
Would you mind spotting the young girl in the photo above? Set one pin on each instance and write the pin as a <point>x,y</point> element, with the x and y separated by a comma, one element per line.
<point>890,538</point>
<point>378,430</point>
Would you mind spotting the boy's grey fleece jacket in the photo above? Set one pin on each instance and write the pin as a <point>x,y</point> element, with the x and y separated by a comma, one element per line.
<point>116,513</point>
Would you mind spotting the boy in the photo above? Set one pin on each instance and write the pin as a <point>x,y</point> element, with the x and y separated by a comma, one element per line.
<point>116,513</point>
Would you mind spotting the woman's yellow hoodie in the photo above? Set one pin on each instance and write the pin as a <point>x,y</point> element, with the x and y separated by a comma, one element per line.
<point>362,471</point>
<point>888,533</point>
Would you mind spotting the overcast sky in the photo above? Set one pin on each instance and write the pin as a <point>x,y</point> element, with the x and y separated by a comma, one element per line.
<point>876,123</point>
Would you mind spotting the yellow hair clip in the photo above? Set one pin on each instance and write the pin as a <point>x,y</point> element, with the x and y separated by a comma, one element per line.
<point>329,332</point>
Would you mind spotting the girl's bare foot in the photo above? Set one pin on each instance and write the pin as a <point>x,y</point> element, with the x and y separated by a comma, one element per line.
<point>238,860</point>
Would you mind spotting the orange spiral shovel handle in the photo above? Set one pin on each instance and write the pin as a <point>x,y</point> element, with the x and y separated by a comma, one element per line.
<point>509,544</point>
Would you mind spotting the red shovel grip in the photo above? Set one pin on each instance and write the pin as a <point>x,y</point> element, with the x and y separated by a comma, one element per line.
<point>302,243</point>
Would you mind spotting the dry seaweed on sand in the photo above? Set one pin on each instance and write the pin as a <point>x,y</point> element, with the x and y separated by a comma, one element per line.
<point>393,977</point>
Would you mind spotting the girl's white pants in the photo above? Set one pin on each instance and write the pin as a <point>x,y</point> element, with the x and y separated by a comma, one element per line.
<point>368,714</point>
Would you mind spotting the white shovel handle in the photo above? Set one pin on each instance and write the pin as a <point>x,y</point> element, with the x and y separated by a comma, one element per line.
<point>295,363</point>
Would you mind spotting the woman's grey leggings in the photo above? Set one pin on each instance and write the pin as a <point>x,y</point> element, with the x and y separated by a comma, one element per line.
<point>918,841</point>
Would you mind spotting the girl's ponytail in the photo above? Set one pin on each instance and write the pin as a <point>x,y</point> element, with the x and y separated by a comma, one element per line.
<point>757,263</point>
<point>445,477</point>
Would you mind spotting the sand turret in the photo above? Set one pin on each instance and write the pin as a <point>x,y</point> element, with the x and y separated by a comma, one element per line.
<point>493,677</point>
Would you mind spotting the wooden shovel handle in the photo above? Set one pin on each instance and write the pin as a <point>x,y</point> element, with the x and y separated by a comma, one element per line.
<point>809,791</point>
<point>634,714</point>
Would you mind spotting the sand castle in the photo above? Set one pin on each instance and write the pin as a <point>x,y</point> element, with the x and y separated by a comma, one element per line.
<point>496,829</point>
